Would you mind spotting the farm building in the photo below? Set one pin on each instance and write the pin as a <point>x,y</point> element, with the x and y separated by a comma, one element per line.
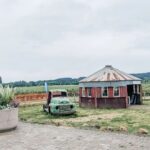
<point>110,88</point>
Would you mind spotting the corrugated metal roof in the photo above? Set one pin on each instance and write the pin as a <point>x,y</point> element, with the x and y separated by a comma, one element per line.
<point>108,73</point>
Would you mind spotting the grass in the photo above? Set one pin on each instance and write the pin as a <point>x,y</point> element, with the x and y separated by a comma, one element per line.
<point>123,120</point>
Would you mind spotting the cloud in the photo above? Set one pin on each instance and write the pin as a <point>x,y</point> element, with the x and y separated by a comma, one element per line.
<point>42,39</point>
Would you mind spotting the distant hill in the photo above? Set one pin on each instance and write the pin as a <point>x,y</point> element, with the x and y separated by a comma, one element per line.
<point>143,76</point>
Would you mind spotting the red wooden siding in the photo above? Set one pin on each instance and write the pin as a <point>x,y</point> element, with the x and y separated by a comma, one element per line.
<point>110,92</point>
<point>97,101</point>
<point>98,92</point>
<point>87,102</point>
<point>114,102</point>
<point>86,92</point>
<point>93,92</point>
<point>123,91</point>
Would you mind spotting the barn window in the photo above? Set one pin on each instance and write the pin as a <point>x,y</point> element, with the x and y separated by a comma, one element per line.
<point>89,92</point>
<point>105,91</point>
<point>116,91</point>
<point>83,92</point>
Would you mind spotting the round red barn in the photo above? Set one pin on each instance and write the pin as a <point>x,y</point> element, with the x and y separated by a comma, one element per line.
<point>110,88</point>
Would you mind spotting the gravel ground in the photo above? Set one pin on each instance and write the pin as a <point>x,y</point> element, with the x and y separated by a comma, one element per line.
<point>46,137</point>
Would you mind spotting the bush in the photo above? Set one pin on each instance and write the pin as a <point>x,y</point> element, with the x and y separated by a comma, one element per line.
<point>7,95</point>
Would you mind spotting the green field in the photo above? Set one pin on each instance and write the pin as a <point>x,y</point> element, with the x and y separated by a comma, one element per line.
<point>146,89</point>
<point>70,88</point>
<point>130,120</point>
<point>41,89</point>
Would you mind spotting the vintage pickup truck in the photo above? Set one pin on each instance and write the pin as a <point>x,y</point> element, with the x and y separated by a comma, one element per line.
<point>59,103</point>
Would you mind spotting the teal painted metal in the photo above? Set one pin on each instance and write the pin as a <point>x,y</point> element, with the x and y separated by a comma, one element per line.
<point>59,103</point>
<point>62,106</point>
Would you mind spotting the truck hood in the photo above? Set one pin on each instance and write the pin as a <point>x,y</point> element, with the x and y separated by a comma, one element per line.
<point>60,100</point>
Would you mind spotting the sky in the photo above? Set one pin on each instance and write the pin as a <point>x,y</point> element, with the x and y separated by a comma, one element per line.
<point>49,39</point>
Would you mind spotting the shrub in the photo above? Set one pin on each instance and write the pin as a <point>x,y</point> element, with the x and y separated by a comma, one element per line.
<point>7,95</point>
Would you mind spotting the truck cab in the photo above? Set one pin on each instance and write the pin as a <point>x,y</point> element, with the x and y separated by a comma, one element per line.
<point>59,103</point>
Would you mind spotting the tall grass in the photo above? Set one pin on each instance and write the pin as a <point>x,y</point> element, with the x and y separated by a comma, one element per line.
<point>6,95</point>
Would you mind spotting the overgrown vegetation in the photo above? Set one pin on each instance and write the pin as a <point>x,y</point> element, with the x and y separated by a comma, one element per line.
<point>130,120</point>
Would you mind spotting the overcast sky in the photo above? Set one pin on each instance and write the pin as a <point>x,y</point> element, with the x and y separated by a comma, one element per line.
<point>48,39</point>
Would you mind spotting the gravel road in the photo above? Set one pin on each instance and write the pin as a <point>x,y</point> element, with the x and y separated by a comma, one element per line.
<point>46,137</point>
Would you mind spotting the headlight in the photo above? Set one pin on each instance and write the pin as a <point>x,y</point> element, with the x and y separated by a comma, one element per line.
<point>57,107</point>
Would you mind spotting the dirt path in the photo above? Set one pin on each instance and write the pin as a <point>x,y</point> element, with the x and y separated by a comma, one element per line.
<point>46,137</point>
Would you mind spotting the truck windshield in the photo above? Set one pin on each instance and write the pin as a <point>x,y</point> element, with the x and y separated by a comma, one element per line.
<point>59,94</point>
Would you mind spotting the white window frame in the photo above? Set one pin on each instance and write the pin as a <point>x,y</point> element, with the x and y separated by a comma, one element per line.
<point>114,91</point>
<point>103,92</point>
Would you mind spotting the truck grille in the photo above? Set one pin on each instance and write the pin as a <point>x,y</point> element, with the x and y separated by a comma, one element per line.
<point>64,108</point>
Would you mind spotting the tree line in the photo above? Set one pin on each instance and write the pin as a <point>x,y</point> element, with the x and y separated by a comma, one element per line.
<point>60,81</point>
<point>66,81</point>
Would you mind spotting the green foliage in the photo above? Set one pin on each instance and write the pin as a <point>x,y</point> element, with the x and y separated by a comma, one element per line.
<point>6,96</point>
